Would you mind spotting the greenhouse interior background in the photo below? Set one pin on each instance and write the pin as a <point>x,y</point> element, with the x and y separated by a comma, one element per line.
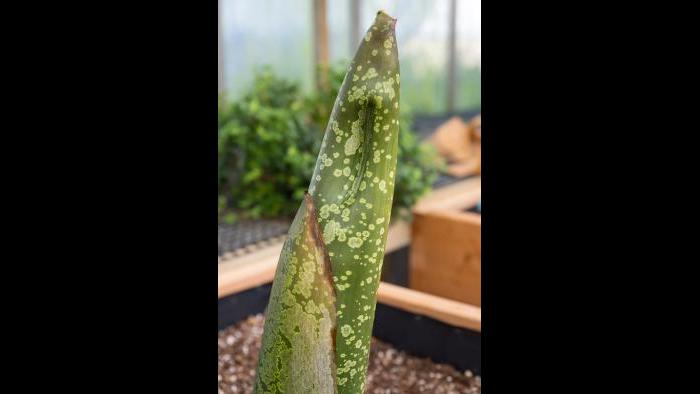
<point>440,45</point>
<point>282,64</point>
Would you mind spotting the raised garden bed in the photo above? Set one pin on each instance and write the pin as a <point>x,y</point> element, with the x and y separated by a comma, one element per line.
<point>422,343</point>
<point>445,257</point>
<point>460,197</point>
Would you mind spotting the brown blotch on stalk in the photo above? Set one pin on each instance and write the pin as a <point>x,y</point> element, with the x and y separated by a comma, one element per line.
<point>315,233</point>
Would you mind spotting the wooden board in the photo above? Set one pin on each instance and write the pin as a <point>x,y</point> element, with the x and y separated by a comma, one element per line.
<point>449,311</point>
<point>471,166</point>
<point>248,271</point>
<point>457,196</point>
<point>445,255</point>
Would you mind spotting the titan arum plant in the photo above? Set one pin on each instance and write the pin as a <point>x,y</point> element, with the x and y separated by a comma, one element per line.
<point>319,318</point>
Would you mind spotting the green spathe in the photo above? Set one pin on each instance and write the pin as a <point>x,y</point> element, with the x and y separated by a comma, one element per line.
<point>319,319</point>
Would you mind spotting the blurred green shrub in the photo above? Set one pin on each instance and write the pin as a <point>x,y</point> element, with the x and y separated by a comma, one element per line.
<point>417,168</point>
<point>269,140</point>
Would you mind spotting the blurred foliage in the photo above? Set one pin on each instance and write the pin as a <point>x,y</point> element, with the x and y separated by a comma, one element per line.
<point>417,168</point>
<point>266,152</point>
<point>269,140</point>
<point>320,103</point>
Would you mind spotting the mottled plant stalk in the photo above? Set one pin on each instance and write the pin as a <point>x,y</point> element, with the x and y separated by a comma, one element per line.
<point>321,310</point>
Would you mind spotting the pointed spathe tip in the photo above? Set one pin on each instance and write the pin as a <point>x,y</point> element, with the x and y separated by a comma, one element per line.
<point>385,19</point>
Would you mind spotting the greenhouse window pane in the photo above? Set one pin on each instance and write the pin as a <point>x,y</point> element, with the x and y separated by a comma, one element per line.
<point>267,32</point>
<point>339,31</point>
<point>468,54</point>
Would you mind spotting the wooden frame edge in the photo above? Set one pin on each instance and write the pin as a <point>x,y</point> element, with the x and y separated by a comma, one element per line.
<point>449,311</point>
<point>457,196</point>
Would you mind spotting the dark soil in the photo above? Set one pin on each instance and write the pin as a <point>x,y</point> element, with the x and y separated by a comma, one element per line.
<point>390,371</point>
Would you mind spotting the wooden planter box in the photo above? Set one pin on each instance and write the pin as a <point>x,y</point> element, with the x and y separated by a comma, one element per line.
<point>423,325</point>
<point>445,257</point>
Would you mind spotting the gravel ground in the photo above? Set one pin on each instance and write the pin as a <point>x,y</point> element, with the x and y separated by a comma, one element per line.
<point>390,371</point>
